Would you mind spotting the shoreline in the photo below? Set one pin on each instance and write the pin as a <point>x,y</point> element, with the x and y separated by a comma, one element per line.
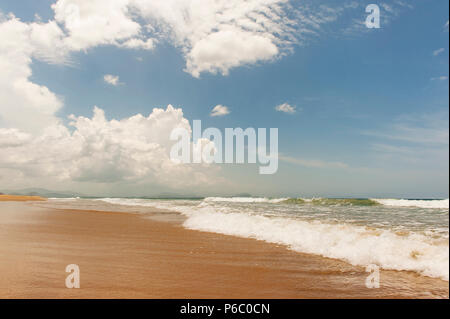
<point>123,255</point>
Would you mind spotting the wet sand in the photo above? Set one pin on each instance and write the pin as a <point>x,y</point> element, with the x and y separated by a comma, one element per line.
<point>20,198</point>
<point>123,255</point>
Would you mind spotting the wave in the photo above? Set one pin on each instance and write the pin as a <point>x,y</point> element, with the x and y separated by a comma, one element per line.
<point>296,201</point>
<point>435,203</point>
<point>440,203</point>
<point>127,201</point>
<point>432,204</point>
<point>245,199</point>
<point>332,201</point>
<point>426,253</point>
<point>355,244</point>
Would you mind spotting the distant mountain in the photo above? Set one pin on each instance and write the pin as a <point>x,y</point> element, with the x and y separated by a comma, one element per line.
<point>42,192</point>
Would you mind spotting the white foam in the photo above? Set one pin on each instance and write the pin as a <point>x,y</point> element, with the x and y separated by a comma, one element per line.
<point>159,204</point>
<point>244,199</point>
<point>438,203</point>
<point>127,201</point>
<point>357,245</point>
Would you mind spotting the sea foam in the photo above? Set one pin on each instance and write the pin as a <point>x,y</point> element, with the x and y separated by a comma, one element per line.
<point>443,203</point>
<point>244,199</point>
<point>357,245</point>
<point>426,252</point>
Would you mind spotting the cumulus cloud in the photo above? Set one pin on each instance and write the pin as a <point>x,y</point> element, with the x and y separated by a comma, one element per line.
<point>25,104</point>
<point>33,141</point>
<point>221,51</point>
<point>111,79</point>
<point>220,110</point>
<point>214,36</point>
<point>13,137</point>
<point>103,151</point>
<point>138,44</point>
<point>97,22</point>
<point>286,108</point>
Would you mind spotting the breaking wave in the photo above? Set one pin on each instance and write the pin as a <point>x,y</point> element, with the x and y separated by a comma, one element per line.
<point>244,199</point>
<point>360,231</point>
<point>432,203</point>
<point>358,245</point>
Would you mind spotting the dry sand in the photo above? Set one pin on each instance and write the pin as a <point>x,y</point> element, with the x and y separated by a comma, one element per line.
<point>124,255</point>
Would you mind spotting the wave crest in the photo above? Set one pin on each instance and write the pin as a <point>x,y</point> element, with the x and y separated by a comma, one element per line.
<point>357,245</point>
<point>432,203</point>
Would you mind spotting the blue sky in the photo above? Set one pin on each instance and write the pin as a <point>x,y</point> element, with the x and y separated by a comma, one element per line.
<point>375,101</point>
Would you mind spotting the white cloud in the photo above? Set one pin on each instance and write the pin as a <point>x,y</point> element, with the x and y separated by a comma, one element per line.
<point>111,79</point>
<point>214,36</point>
<point>25,104</point>
<point>220,110</point>
<point>96,22</point>
<point>97,150</point>
<point>438,51</point>
<point>138,44</point>
<point>286,108</point>
<point>13,137</point>
<point>220,51</point>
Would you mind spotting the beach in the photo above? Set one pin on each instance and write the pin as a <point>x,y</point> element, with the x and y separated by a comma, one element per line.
<point>17,198</point>
<point>123,255</point>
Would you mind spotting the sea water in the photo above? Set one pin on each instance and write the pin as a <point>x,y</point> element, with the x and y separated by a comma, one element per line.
<point>394,234</point>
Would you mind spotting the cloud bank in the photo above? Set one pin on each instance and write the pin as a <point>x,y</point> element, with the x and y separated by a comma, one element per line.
<point>102,151</point>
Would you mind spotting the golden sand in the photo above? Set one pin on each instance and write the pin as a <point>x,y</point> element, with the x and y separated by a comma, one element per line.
<point>19,198</point>
<point>124,255</point>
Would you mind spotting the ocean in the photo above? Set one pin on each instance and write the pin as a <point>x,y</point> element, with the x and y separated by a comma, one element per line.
<point>395,234</point>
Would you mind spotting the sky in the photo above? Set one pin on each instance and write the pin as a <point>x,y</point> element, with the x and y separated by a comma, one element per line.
<point>90,91</point>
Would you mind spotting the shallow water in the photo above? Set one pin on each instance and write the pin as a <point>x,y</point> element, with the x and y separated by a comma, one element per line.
<point>394,234</point>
